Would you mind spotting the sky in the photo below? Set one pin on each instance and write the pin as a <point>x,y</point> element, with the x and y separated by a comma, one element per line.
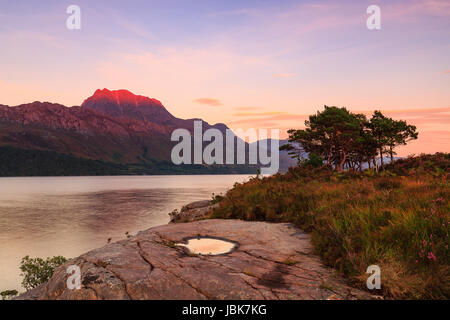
<point>249,64</point>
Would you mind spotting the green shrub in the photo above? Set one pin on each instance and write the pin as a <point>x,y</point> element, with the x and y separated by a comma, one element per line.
<point>314,160</point>
<point>36,271</point>
<point>8,294</point>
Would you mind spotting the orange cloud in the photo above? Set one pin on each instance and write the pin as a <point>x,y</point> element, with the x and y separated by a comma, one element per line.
<point>417,111</point>
<point>209,101</point>
<point>276,118</point>
<point>250,114</point>
<point>247,108</point>
<point>428,142</point>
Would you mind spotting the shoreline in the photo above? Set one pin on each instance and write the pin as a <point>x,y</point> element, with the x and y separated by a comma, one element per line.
<point>270,261</point>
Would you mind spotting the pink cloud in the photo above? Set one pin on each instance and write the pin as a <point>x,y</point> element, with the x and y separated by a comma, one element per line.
<point>209,101</point>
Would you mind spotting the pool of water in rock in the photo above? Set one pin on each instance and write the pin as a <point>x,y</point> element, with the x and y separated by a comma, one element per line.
<point>208,246</point>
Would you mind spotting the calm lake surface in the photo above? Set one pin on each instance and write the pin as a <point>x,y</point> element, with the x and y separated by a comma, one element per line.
<point>48,216</point>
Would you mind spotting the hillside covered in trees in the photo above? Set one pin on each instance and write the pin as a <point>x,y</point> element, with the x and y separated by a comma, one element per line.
<point>17,162</point>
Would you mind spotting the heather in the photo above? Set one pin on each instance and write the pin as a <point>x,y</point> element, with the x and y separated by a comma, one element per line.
<point>397,218</point>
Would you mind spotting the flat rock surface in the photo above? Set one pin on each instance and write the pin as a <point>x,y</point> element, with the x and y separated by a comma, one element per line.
<point>271,261</point>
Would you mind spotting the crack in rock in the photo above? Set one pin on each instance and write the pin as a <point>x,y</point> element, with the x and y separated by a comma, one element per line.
<point>142,254</point>
<point>198,290</point>
<point>113,272</point>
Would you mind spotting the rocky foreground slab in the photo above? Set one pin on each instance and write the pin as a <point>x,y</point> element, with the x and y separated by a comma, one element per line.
<point>270,261</point>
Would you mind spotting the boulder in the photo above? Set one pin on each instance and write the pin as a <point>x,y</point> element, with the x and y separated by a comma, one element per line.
<point>193,211</point>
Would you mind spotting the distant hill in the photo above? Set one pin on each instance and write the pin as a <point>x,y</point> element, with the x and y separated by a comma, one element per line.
<point>286,160</point>
<point>118,130</point>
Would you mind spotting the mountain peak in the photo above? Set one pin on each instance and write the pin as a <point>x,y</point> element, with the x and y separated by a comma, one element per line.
<point>125,104</point>
<point>123,97</point>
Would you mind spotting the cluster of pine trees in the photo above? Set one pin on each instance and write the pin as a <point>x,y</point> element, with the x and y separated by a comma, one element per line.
<point>344,139</point>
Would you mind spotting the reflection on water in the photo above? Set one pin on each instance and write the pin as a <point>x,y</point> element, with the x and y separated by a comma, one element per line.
<point>208,246</point>
<point>67,216</point>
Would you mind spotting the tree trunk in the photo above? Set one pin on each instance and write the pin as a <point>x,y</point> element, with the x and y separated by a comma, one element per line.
<point>381,158</point>
<point>341,165</point>
<point>391,152</point>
